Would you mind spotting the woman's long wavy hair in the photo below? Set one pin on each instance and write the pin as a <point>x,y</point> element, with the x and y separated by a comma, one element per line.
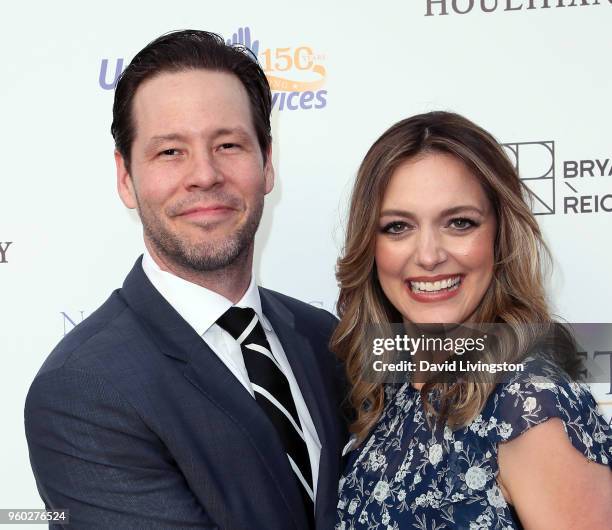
<point>514,297</point>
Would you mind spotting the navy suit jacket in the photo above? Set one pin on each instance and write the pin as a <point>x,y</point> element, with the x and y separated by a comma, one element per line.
<point>133,422</point>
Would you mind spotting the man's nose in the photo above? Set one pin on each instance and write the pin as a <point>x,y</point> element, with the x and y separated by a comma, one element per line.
<point>203,172</point>
<point>430,250</point>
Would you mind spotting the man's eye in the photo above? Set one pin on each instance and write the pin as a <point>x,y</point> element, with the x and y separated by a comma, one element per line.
<point>169,152</point>
<point>461,223</point>
<point>395,227</point>
<point>229,145</point>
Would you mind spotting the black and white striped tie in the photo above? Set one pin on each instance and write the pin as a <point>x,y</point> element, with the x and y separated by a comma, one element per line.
<point>272,393</point>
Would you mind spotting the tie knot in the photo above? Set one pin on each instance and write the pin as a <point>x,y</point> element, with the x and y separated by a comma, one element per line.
<point>238,322</point>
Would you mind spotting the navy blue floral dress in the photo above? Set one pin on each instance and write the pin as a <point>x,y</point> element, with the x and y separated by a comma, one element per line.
<point>407,476</point>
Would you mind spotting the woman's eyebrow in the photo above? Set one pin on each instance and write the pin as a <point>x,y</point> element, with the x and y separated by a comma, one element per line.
<point>394,212</point>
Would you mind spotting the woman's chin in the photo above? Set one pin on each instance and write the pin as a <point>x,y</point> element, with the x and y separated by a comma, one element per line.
<point>431,320</point>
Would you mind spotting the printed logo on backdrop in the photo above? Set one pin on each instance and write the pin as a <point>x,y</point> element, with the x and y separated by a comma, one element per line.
<point>4,246</point>
<point>296,73</point>
<point>586,186</point>
<point>535,163</point>
<point>71,319</point>
<point>463,7</point>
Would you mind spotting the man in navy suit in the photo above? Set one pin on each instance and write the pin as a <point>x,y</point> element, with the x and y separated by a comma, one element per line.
<point>151,413</point>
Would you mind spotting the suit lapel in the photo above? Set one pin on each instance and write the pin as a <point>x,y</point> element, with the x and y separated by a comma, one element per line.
<point>202,368</point>
<point>306,370</point>
<point>219,385</point>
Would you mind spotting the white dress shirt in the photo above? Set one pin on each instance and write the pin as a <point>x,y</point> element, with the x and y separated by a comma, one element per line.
<point>200,308</point>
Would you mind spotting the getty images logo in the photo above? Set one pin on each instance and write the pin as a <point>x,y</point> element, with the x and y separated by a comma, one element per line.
<point>296,74</point>
<point>583,180</point>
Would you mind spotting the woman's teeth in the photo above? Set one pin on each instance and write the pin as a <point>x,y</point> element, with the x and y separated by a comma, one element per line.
<point>432,287</point>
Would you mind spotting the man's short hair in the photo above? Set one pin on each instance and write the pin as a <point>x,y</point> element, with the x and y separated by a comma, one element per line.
<point>191,50</point>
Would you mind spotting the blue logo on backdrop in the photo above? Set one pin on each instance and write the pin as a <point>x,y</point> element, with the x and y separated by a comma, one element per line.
<point>243,37</point>
<point>103,80</point>
<point>296,74</point>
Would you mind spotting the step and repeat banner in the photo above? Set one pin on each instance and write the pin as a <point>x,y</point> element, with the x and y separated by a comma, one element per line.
<point>536,73</point>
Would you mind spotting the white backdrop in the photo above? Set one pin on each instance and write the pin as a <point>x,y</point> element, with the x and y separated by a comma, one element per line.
<point>533,72</point>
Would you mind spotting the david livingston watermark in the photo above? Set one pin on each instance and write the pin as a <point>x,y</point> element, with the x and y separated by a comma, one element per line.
<point>485,352</point>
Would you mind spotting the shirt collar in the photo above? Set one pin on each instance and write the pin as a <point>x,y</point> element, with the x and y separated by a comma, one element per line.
<point>200,307</point>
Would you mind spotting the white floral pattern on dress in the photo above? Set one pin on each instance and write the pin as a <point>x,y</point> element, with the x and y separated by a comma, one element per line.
<point>409,476</point>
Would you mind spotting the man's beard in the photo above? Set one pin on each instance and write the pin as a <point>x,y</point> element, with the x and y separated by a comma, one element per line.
<point>205,256</point>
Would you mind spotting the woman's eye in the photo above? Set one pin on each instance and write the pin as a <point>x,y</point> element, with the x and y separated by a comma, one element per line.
<point>396,227</point>
<point>461,223</point>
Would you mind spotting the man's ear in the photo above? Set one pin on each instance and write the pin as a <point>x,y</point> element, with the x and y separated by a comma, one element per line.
<point>269,171</point>
<point>125,185</point>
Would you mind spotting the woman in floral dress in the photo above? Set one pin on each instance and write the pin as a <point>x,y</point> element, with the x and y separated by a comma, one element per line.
<point>440,232</point>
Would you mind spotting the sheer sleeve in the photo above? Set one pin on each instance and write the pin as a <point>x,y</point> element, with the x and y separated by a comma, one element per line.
<point>542,392</point>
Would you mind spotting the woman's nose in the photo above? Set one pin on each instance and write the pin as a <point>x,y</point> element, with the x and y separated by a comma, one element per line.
<point>430,251</point>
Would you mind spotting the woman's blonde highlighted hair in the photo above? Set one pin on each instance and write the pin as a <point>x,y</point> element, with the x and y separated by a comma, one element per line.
<point>514,297</point>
